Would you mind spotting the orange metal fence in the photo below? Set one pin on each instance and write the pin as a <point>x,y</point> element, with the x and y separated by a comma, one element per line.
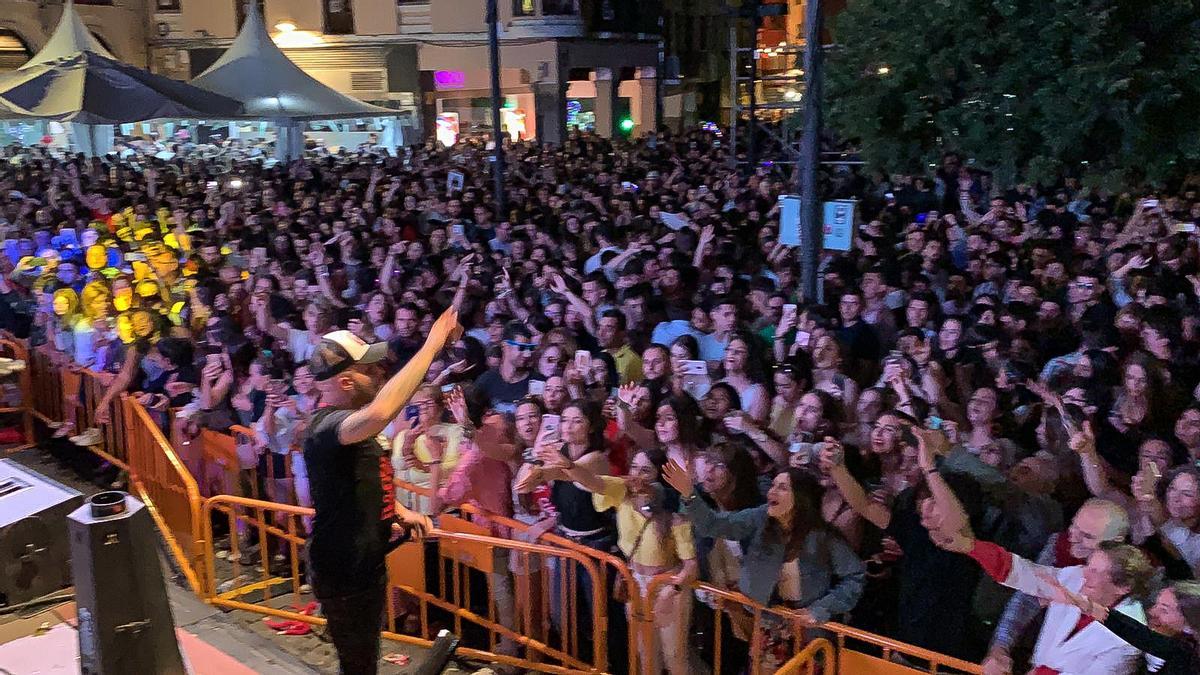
<point>810,660</point>
<point>132,441</point>
<point>14,349</point>
<point>861,652</point>
<point>161,481</point>
<point>438,576</point>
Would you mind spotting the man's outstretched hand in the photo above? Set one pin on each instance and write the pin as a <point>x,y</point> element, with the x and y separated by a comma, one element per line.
<point>418,525</point>
<point>446,329</point>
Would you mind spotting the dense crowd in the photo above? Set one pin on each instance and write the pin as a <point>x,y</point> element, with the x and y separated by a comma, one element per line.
<point>995,390</point>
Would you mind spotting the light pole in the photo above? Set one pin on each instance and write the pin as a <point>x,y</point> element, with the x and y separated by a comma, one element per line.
<point>810,151</point>
<point>493,21</point>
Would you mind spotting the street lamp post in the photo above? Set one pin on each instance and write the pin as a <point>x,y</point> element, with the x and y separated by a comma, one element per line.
<point>810,151</point>
<point>493,21</point>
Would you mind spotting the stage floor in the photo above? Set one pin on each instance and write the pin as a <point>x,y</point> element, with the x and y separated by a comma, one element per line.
<point>47,643</point>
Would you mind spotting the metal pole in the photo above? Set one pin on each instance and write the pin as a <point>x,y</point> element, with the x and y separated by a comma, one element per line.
<point>660,73</point>
<point>735,108</point>
<point>752,127</point>
<point>493,21</point>
<point>810,151</point>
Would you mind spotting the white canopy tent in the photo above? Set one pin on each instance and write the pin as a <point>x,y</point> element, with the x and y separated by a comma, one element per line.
<point>75,79</point>
<point>255,72</point>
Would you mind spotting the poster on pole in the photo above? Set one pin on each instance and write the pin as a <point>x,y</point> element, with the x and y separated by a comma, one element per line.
<point>838,227</point>
<point>789,220</point>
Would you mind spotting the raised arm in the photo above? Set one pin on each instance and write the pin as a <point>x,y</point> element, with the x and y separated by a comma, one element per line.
<point>585,310</point>
<point>576,472</point>
<point>133,359</point>
<point>733,526</point>
<point>369,421</point>
<point>832,461</point>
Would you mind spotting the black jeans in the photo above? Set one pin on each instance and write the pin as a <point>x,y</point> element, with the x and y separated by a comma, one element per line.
<point>354,623</point>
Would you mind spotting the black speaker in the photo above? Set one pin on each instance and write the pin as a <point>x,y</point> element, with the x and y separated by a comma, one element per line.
<point>125,623</point>
<point>34,558</point>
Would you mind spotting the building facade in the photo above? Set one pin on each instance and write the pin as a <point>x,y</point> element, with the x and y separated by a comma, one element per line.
<point>119,25</point>
<point>590,63</point>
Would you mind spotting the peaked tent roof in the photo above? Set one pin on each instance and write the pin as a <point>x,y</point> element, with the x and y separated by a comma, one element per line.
<point>69,38</point>
<point>270,86</point>
<point>73,78</point>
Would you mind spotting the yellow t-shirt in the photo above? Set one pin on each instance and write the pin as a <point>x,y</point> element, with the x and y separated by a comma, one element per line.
<point>629,364</point>
<point>453,434</point>
<point>653,551</point>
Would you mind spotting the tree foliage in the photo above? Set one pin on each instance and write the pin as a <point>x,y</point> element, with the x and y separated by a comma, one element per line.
<point>1104,89</point>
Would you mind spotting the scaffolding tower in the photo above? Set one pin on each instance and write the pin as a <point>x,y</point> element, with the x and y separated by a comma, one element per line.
<point>766,86</point>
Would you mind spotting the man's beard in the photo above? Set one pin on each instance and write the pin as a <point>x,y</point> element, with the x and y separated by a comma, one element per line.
<point>364,393</point>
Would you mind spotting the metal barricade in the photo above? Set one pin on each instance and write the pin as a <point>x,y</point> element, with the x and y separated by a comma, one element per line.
<point>160,479</point>
<point>534,584</point>
<point>114,447</point>
<point>24,391</point>
<point>858,652</point>
<point>861,652</point>
<point>45,395</point>
<point>275,587</point>
<point>810,660</point>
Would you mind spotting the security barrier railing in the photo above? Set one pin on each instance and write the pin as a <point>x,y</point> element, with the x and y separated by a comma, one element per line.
<point>13,349</point>
<point>556,632</point>
<point>810,660</point>
<point>863,652</point>
<point>160,480</point>
<point>437,575</point>
<point>131,441</point>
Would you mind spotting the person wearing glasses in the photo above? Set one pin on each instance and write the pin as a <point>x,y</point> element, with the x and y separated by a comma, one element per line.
<point>505,385</point>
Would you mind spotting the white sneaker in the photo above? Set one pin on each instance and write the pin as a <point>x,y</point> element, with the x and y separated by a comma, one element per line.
<point>88,438</point>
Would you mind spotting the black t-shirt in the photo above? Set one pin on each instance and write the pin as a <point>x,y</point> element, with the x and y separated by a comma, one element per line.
<point>354,497</point>
<point>936,586</point>
<point>502,395</point>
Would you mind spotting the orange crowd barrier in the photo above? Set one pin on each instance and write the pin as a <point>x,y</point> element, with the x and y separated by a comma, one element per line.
<point>169,491</point>
<point>14,349</point>
<point>811,660</point>
<point>266,584</point>
<point>863,652</point>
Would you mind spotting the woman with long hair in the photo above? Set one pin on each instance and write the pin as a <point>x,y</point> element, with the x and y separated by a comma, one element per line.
<point>653,538</point>
<point>742,366</point>
<point>677,429</point>
<point>729,482</point>
<point>791,381</point>
<point>1140,403</point>
<point>580,439</point>
<point>829,371</point>
<point>792,557</point>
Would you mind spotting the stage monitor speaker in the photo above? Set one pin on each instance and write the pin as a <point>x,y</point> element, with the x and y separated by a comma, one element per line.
<point>34,556</point>
<point>125,623</point>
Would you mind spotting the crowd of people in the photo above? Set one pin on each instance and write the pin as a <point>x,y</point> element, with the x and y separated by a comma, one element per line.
<point>990,408</point>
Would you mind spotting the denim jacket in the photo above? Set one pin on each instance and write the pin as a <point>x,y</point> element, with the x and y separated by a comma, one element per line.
<point>832,576</point>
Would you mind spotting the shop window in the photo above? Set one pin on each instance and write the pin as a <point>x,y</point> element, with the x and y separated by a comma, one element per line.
<point>339,17</point>
<point>560,7</point>
<point>240,8</point>
<point>524,8</point>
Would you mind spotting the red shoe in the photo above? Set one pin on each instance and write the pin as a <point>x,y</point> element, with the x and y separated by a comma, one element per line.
<point>306,610</point>
<point>297,628</point>
<point>279,624</point>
